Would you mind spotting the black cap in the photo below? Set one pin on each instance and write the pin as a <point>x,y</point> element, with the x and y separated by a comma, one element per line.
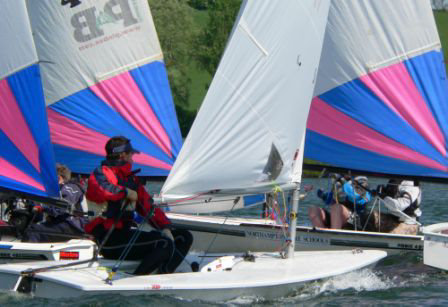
<point>125,148</point>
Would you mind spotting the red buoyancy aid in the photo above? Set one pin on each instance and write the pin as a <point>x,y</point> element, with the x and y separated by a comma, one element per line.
<point>107,184</point>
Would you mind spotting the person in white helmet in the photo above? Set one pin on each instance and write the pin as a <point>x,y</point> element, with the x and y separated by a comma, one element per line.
<point>401,210</point>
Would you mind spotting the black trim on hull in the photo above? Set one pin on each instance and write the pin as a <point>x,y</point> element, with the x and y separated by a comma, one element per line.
<point>235,233</point>
<point>22,256</point>
<point>371,245</point>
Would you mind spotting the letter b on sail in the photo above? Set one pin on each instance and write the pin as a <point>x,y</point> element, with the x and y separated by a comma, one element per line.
<point>89,24</point>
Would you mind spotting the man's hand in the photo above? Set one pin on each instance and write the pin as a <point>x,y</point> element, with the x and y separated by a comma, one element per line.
<point>131,195</point>
<point>167,233</point>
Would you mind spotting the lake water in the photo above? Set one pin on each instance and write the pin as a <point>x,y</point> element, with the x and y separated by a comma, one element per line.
<point>398,280</point>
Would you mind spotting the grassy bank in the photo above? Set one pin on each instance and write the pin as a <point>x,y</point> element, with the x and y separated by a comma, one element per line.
<point>442,26</point>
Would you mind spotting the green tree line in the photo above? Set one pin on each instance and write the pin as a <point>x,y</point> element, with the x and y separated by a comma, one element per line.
<point>190,45</point>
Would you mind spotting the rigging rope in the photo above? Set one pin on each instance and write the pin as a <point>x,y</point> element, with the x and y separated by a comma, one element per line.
<point>216,234</point>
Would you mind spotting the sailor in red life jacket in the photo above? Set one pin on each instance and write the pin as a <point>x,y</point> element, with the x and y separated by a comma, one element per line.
<point>110,186</point>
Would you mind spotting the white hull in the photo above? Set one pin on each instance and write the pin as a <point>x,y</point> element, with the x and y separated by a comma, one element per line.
<point>435,252</point>
<point>13,251</point>
<point>269,276</point>
<point>216,234</point>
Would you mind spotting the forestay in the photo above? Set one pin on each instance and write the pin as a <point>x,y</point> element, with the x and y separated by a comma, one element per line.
<point>103,75</point>
<point>26,156</point>
<point>253,117</point>
<point>381,98</point>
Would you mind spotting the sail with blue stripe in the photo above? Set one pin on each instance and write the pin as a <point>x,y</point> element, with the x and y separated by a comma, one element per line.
<point>381,98</point>
<point>27,161</point>
<point>103,75</point>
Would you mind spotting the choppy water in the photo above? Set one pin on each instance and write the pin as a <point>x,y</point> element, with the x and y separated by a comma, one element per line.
<point>398,280</point>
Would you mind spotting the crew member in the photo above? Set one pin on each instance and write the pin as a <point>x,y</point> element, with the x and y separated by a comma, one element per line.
<point>117,192</point>
<point>347,200</point>
<point>402,200</point>
<point>60,224</point>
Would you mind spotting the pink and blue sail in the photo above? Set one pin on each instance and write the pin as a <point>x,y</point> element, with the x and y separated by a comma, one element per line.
<point>382,99</point>
<point>27,161</point>
<point>136,104</point>
<point>104,76</point>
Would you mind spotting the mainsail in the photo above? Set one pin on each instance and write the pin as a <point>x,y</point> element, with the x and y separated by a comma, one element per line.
<point>103,75</point>
<point>381,98</point>
<point>253,117</point>
<point>26,155</point>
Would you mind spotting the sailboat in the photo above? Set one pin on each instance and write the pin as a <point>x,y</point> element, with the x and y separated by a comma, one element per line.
<point>379,107</point>
<point>258,81</point>
<point>27,165</point>
<point>103,75</point>
<point>381,103</point>
<point>435,246</point>
<point>92,89</point>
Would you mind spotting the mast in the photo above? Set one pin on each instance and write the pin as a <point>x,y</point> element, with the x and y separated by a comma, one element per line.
<point>296,179</point>
<point>293,221</point>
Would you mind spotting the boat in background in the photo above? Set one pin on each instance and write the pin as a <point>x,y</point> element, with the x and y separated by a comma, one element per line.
<point>380,107</point>
<point>27,164</point>
<point>436,246</point>
<point>381,94</point>
<point>255,71</point>
<point>381,104</point>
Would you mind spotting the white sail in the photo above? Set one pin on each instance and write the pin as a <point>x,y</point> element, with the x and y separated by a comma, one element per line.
<point>254,115</point>
<point>15,54</point>
<point>101,43</point>
<point>298,161</point>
